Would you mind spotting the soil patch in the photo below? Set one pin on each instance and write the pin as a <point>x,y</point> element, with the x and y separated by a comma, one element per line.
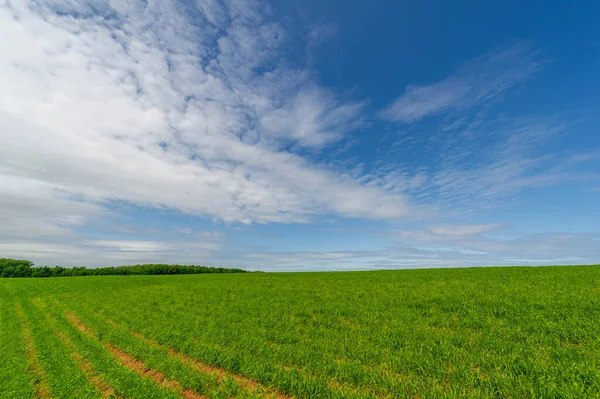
<point>40,384</point>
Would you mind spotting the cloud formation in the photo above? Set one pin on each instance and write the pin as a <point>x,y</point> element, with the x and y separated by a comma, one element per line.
<point>486,163</point>
<point>169,104</point>
<point>476,82</point>
<point>464,229</point>
<point>193,107</point>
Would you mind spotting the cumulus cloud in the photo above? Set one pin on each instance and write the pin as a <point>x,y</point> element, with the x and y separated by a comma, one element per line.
<point>475,82</point>
<point>167,104</point>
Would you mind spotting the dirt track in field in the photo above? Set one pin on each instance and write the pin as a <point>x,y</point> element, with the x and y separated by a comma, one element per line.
<point>222,374</point>
<point>86,368</point>
<point>39,383</point>
<point>137,365</point>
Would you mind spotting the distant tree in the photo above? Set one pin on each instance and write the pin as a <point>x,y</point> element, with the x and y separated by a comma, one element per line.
<point>6,262</point>
<point>57,271</point>
<point>23,268</point>
<point>44,271</point>
<point>8,271</point>
<point>17,271</point>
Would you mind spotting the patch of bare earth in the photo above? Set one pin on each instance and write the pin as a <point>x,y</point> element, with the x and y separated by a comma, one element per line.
<point>40,383</point>
<point>222,374</point>
<point>137,365</point>
<point>80,326</point>
<point>86,368</point>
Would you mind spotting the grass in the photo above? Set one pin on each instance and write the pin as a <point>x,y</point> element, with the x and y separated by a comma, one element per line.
<point>476,333</point>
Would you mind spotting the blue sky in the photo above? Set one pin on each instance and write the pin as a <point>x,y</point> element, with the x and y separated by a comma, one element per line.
<point>317,136</point>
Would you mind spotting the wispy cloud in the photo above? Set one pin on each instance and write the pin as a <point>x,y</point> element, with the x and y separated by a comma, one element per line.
<point>462,230</point>
<point>518,249</point>
<point>192,108</point>
<point>131,245</point>
<point>450,245</point>
<point>487,163</point>
<point>313,118</point>
<point>585,157</point>
<point>476,82</point>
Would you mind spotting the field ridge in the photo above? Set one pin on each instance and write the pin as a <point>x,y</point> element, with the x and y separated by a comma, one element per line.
<point>105,390</point>
<point>136,365</point>
<point>222,374</point>
<point>248,383</point>
<point>34,367</point>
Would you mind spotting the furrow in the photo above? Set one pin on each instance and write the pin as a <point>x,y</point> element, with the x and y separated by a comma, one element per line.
<point>222,374</point>
<point>137,365</point>
<point>77,323</point>
<point>40,383</point>
<point>101,386</point>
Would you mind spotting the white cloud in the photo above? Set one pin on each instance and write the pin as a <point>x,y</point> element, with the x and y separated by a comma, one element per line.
<point>422,248</point>
<point>34,208</point>
<point>511,248</point>
<point>195,109</point>
<point>462,230</point>
<point>319,33</point>
<point>314,118</point>
<point>190,109</point>
<point>585,157</point>
<point>131,245</point>
<point>409,249</point>
<point>475,82</point>
<point>208,243</point>
<point>538,261</point>
<point>450,233</point>
<point>78,250</point>
<point>487,164</point>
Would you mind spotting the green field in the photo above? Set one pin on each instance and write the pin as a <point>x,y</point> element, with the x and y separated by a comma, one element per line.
<point>476,333</point>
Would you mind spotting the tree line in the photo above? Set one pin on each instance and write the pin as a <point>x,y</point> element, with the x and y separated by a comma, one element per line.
<point>25,268</point>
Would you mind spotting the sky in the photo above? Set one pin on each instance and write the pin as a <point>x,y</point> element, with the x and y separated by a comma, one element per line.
<point>300,136</point>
